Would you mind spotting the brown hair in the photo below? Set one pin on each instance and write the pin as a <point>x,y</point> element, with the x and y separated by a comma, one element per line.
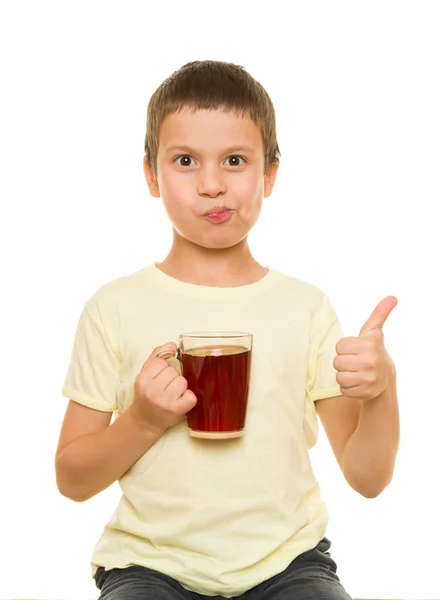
<point>210,85</point>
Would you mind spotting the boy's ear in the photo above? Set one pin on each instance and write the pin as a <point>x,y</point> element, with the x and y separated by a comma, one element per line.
<point>151,179</point>
<point>269,178</point>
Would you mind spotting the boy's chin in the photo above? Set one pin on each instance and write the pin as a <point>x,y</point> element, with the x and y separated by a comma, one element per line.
<point>213,241</point>
<point>221,242</point>
<point>218,244</point>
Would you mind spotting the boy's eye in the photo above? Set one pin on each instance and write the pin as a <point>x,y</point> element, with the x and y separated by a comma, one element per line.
<point>184,160</point>
<point>234,161</point>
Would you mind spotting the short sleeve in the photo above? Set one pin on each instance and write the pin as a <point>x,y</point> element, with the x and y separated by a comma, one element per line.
<point>325,333</point>
<point>93,375</point>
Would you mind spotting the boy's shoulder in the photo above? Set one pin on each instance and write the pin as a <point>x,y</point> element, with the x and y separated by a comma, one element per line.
<point>120,289</point>
<point>303,288</point>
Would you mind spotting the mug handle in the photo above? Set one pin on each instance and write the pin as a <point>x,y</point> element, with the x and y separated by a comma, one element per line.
<point>170,354</point>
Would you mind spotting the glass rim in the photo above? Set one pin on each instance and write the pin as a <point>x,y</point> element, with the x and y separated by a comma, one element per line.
<point>215,334</point>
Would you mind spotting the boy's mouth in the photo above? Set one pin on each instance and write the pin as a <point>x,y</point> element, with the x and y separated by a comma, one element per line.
<point>218,214</point>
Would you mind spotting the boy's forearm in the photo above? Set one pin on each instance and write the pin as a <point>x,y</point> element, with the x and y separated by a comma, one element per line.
<point>94,461</point>
<point>370,452</point>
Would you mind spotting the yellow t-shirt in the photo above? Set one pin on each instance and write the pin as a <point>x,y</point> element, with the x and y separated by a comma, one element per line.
<point>220,517</point>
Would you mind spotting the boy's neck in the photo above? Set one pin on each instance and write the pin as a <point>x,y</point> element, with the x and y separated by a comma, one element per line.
<point>229,267</point>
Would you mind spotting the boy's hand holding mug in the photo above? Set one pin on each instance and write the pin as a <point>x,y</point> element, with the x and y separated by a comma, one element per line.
<point>161,394</point>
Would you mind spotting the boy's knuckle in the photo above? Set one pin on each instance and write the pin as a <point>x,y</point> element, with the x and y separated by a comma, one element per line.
<point>183,384</point>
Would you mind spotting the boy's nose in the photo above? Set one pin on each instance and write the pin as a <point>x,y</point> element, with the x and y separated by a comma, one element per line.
<point>211,183</point>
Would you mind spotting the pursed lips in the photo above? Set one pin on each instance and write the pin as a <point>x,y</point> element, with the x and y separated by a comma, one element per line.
<point>219,214</point>
<point>217,210</point>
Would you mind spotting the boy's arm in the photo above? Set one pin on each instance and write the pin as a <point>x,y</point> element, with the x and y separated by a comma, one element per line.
<point>92,455</point>
<point>364,436</point>
<point>363,423</point>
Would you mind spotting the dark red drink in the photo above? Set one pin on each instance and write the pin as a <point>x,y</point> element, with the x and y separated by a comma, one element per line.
<point>219,377</point>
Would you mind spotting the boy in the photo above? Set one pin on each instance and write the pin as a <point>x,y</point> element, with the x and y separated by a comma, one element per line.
<point>239,517</point>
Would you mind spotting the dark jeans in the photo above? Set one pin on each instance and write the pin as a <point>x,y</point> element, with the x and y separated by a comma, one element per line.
<point>311,576</point>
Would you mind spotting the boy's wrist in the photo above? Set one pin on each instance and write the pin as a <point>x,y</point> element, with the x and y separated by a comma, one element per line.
<point>145,427</point>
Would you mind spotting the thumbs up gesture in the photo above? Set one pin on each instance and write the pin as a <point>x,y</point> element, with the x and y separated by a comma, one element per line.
<point>363,364</point>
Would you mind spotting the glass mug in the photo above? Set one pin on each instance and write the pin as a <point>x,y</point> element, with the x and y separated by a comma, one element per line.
<point>217,367</point>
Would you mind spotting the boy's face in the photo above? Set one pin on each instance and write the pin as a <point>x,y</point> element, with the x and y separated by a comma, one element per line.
<point>210,175</point>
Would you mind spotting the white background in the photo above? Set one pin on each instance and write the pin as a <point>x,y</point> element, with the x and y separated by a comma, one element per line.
<point>356,89</point>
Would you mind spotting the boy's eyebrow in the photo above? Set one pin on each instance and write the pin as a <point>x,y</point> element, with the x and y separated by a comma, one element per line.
<point>230,150</point>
